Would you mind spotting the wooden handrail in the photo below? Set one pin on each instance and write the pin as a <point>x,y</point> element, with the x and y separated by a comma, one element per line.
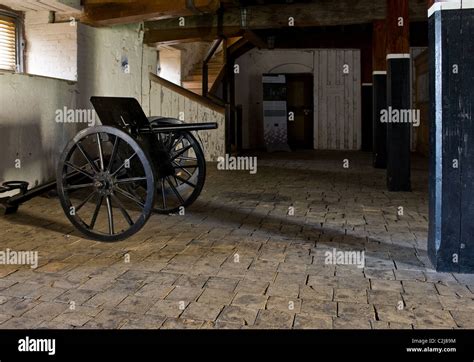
<point>205,67</point>
<point>212,50</point>
<point>205,79</point>
<point>187,93</point>
<point>216,100</point>
<point>219,77</point>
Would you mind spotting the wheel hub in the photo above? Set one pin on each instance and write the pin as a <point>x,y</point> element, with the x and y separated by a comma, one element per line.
<point>163,163</point>
<point>104,183</point>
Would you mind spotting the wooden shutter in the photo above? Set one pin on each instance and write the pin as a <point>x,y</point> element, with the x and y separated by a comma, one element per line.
<point>7,43</point>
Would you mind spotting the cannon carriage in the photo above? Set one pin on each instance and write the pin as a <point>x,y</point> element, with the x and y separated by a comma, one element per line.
<point>110,178</point>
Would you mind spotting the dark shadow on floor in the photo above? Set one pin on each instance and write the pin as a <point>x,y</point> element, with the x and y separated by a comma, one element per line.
<point>24,217</point>
<point>218,212</point>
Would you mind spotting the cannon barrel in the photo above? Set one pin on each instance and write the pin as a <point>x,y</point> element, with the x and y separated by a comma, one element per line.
<point>158,128</point>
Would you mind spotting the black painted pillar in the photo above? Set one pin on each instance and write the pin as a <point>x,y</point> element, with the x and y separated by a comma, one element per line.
<point>379,94</point>
<point>398,133</point>
<point>398,96</point>
<point>379,103</point>
<point>367,117</point>
<point>451,215</point>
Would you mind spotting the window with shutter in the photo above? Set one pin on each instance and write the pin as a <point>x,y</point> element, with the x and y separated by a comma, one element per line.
<point>8,56</point>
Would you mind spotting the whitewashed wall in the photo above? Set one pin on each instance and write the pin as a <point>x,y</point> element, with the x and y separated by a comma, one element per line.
<point>167,103</point>
<point>337,101</point>
<point>170,65</point>
<point>28,103</point>
<point>51,48</point>
<point>28,131</point>
<point>100,54</point>
<point>192,54</point>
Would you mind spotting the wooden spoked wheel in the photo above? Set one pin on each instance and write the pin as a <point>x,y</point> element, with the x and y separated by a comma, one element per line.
<point>181,173</point>
<point>106,184</point>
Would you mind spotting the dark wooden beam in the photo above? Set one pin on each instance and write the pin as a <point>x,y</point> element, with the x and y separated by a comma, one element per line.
<point>398,34</point>
<point>366,93</point>
<point>239,48</point>
<point>256,40</point>
<point>104,2</point>
<point>209,26</point>
<point>379,96</point>
<point>379,45</point>
<point>320,13</point>
<point>357,36</point>
<point>200,34</point>
<point>102,13</point>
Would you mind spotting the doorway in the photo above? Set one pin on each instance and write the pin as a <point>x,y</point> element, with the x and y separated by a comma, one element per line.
<point>300,110</point>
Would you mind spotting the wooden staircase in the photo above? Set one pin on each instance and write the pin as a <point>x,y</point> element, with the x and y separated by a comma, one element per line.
<point>193,81</point>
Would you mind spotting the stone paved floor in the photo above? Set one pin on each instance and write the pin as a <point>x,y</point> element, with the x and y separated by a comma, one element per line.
<point>238,259</point>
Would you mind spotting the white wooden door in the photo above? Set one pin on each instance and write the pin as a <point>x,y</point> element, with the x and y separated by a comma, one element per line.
<point>337,99</point>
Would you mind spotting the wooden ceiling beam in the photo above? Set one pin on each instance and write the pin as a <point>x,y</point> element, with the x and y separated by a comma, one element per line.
<point>321,13</point>
<point>105,12</point>
<point>169,36</point>
<point>103,2</point>
<point>239,48</point>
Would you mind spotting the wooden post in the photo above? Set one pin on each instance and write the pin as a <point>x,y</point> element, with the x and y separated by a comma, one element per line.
<point>228,141</point>
<point>379,102</point>
<point>367,110</point>
<point>205,79</point>
<point>238,122</point>
<point>205,66</point>
<point>225,80</point>
<point>451,215</point>
<point>398,111</point>
<point>231,81</point>
<point>366,95</point>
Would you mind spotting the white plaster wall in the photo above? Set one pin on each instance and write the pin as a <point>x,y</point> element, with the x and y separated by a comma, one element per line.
<point>100,55</point>
<point>249,88</point>
<point>28,130</point>
<point>192,54</point>
<point>170,65</point>
<point>51,48</point>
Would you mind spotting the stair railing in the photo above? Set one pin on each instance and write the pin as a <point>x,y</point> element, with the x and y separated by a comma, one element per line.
<point>205,64</point>
<point>222,77</point>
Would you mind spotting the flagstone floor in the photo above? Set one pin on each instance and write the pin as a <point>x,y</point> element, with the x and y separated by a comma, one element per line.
<point>241,258</point>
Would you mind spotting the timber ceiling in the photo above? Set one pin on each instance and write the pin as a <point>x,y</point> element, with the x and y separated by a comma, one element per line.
<point>256,20</point>
<point>273,16</point>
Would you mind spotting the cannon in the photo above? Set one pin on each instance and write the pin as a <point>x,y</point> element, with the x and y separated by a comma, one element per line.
<point>110,178</point>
